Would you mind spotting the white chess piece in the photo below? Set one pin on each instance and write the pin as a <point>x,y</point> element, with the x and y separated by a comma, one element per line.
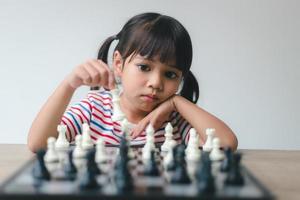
<point>168,137</point>
<point>62,143</point>
<point>87,142</point>
<point>210,132</point>
<point>192,152</point>
<point>150,145</point>
<point>100,156</point>
<point>118,115</point>
<point>78,151</point>
<point>51,157</point>
<point>216,154</point>
<point>169,158</point>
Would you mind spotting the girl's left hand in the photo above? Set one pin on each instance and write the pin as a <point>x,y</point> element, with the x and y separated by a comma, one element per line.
<point>156,118</point>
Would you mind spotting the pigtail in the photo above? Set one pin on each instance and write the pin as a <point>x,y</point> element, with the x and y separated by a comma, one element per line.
<point>190,88</point>
<point>103,52</point>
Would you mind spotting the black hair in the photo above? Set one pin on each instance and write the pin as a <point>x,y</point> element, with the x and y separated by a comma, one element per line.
<point>153,34</point>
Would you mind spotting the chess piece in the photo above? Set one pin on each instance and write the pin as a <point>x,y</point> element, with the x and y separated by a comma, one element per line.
<point>39,171</point>
<point>234,176</point>
<point>118,115</point>
<point>151,167</point>
<point>216,154</point>
<point>168,137</point>
<point>168,160</point>
<point>226,164</point>
<point>87,142</point>
<point>51,157</point>
<point>62,143</point>
<point>205,179</point>
<point>210,132</point>
<point>150,145</point>
<point>192,151</point>
<point>122,177</point>
<point>89,180</point>
<point>79,153</point>
<point>100,156</point>
<point>69,168</point>
<point>180,174</point>
<point>125,131</point>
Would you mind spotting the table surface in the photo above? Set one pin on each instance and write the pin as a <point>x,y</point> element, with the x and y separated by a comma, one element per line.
<point>278,170</point>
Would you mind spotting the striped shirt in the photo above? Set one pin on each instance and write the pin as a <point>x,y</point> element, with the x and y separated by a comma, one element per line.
<point>97,110</point>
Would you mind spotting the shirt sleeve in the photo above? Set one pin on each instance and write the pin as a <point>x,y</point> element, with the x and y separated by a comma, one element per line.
<point>75,116</point>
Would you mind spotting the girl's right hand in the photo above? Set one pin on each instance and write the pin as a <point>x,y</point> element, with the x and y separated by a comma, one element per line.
<point>92,73</point>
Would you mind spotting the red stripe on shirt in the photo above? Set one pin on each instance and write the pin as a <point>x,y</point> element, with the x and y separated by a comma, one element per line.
<point>104,135</point>
<point>102,120</point>
<point>85,117</point>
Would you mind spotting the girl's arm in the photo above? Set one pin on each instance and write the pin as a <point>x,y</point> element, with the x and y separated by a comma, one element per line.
<point>91,73</point>
<point>46,121</point>
<point>201,120</point>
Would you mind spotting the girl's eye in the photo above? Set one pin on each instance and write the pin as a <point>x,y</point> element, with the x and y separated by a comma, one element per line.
<point>143,67</point>
<point>171,75</point>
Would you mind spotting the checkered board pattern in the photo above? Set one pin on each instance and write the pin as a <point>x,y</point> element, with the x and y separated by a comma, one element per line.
<point>21,184</point>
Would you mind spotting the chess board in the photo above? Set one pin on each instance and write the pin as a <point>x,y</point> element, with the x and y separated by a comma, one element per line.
<point>22,184</point>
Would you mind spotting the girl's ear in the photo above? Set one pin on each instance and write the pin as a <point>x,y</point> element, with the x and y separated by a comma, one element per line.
<point>117,63</point>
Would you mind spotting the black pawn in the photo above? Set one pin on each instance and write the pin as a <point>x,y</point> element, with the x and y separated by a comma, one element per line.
<point>234,176</point>
<point>89,179</point>
<point>91,161</point>
<point>205,179</point>
<point>180,174</point>
<point>226,163</point>
<point>39,171</point>
<point>151,166</point>
<point>70,169</point>
<point>122,177</point>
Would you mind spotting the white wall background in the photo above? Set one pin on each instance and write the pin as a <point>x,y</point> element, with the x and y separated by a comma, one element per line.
<point>246,58</point>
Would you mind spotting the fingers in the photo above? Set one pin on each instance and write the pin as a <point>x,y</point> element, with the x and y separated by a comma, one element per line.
<point>92,73</point>
<point>142,126</point>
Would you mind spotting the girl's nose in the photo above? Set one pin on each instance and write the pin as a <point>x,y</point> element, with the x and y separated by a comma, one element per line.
<point>155,81</point>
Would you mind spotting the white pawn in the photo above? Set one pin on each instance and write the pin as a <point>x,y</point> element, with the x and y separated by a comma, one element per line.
<point>150,145</point>
<point>169,158</point>
<point>118,115</point>
<point>78,151</point>
<point>51,157</point>
<point>168,137</point>
<point>87,142</point>
<point>192,151</point>
<point>210,132</point>
<point>100,156</point>
<point>62,143</point>
<point>216,154</point>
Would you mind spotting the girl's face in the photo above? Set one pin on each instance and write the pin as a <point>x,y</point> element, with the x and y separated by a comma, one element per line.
<point>147,83</point>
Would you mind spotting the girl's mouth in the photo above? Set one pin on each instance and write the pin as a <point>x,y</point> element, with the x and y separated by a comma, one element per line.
<point>149,98</point>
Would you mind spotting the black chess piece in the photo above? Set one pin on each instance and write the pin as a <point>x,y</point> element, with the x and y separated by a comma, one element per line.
<point>204,177</point>
<point>89,178</point>
<point>39,171</point>
<point>122,177</point>
<point>151,168</point>
<point>172,166</point>
<point>90,156</point>
<point>234,176</point>
<point>69,168</point>
<point>226,163</point>
<point>180,174</point>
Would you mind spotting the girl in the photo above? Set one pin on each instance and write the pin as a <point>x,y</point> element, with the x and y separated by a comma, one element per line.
<point>152,59</point>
